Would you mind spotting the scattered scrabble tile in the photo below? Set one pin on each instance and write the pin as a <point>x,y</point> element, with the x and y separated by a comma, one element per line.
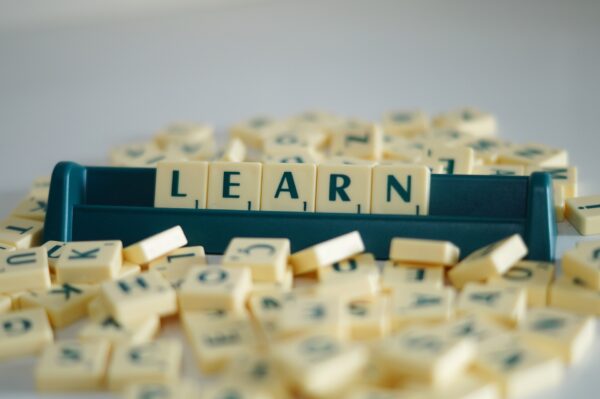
<point>181,184</point>
<point>327,252</point>
<point>421,305</point>
<point>490,261</point>
<point>584,214</point>
<point>305,315</point>
<point>266,257</point>
<point>297,155</point>
<point>398,149</point>
<point>499,170</point>
<point>467,120</point>
<point>364,141</point>
<point>534,155</point>
<point>405,123</point>
<point>341,188</point>
<point>319,365</point>
<point>186,256</point>
<point>269,306</point>
<point>151,390</point>
<point>505,304</point>
<point>64,303</point>
<point>129,269</point>
<point>72,366</point>
<point>5,304</point>
<point>449,137</point>
<point>234,151</point>
<point>426,355</point>
<point>288,187</point>
<point>535,277</point>
<point>398,276</point>
<point>583,264</point>
<point>134,154</point>
<point>284,285</point>
<point>183,133</point>
<point>564,177</point>
<point>24,269</point>
<point>400,189</point>
<point>517,368</point>
<point>53,249</point>
<point>284,140</point>
<point>258,373</point>
<point>155,246</point>
<point>138,297</point>
<point>487,149</point>
<point>424,251</point>
<point>368,318</point>
<point>152,362</point>
<point>234,185</point>
<point>559,333</point>
<point>88,262</point>
<point>192,151</point>
<point>573,295</point>
<point>24,332</point>
<point>31,208</point>
<point>352,278</point>
<point>456,160</point>
<point>20,233</point>
<point>110,330</point>
<point>477,327</point>
<point>252,131</point>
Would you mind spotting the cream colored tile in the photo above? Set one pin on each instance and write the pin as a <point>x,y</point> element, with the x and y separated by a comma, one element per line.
<point>458,160</point>
<point>487,149</point>
<point>534,154</point>
<point>398,276</point>
<point>24,269</point>
<point>5,304</point>
<point>53,249</point>
<point>352,278</point>
<point>397,148</point>
<point>181,184</point>
<point>327,252</point>
<point>499,170</point>
<point>583,264</point>
<point>421,305</point>
<point>110,330</point>
<point>252,131</point>
<point>468,120</point>
<point>533,276</point>
<point>565,177</point>
<point>24,332</point>
<point>234,151</point>
<point>363,141</point>
<point>266,257</point>
<point>234,185</point>
<point>477,327</point>
<point>405,123</point>
<point>88,262</point>
<point>191,151</point>
<point>129,269</point>
<point>573,295</point>
<point>368,318</point>
<point>31,208</point>
<point>188,256</point>
<point>182,133</point>
<point>151,390</point>
<point>131,154</point>
<point>6,248</point>
<point>343,188</point>
<point>286,139</point>
<point>155,246</point>
<point>257,373</point>
<point>424,251</point>
<point>305,315</point>
<point>21,233</point>
<point>400,189</point>
<point>584,214</point>
<point>289,187</point>
<point>296,155</point>
<point>505,304</point>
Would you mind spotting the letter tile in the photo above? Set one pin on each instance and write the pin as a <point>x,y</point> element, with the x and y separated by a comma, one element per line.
<point>181,184</point>
<point>234,185</point>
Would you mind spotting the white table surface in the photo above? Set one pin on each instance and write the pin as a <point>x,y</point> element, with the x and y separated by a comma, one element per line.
<point>73,85</point>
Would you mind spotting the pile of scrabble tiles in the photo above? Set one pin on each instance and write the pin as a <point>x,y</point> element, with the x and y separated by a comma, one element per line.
<point>328,321</point>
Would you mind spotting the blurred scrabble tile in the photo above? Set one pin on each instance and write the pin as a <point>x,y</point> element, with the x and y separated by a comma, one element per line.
<point>405,123</point>
<point>252,131</point>
<point>314,119</point>
<point>319,365</point>
<point>400,189</point>
<point>533,276</point>
<point>155,246</point>
<point>467,120</point>
<point>269,306</point>
<point>565,177</point>
<point>40,187</point>
<point>157,390</point>
<point>468,385</point>
<point>132,154</point>
<point>71,366</point>
<point>24,332</point>
<point>20,233</point>
<point>534,154</point>
<point>6,248</point>
<point>64,303</point>
<point>129,269</point>
<point>258,373</point>
<point>53,249</point>
<point>363,141</point>
<point>138,297</point>
<point>305,315</point>
<point>583,264</point>
<point>213,287</point>
<point>234,151</point>
<point>181,184</point>
<point>284,285</point>
<point>266,257</point>
<point>341,188</point>
<point>426,355</point>
<point>559,333</point>
<point>424,251</point>
<point>588,244</point>
<point>397,148</point>
<point>573,295</point>
<point>293,156</point>
<point>88,262</point>
<point>517,368</point>
<point>157,361</point>
<point>234,185</point>
<point>490,261</point>
<point>327,252</point>
<point>368,318</point>
<point>289,187</point>
<point>186,256</point>
<point>499,170</point>
<point>285,139</point>
<point>477,327</point>
<point>351,278</point>
<point>183,133</point>
<point>31,208</point>
<point>449,137</point>
<point>412,304</point>
<point>397,276</point>
<point>487,149</point>
<point>110,330</point>
<point>195,318</point>
<point>191,151</point>
<point>24,269</point>
<point>5,304</point>
<point>504,304</point>
<point>458,160</point>
<point>584,214</point>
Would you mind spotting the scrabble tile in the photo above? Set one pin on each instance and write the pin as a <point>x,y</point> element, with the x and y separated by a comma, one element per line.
<point>426,355</point>
<point>517,368</point>
<point>5,304</point>
<point>446,136</point>
<point>456,160</point>
<point>212,287</point>
<point>397,148</point>
<point>490,261</point>
<point>20,233</point>
<point>305,315</point>
<point>327,252</point>
<point>356,277</point>
<point>181,184</point>
<point>400,189</point>
<point>215,345</point>
<point>293,156</point>
<point>88,262</point>
<point>266,257</point>
<point>487,149</point>
<point>257,373</point>
<point>191,151</point>
<point>565,177</point>
<point>405,123</point>
<point>396,277</point>
<point>533,276</point>
<point>129,269</point>
<point>132,154</point>
<point>363,141</point>
<point>268,306</point>
<point>424,251</point>
<point>534,155</point>
<point>341,188</point>
<point>110,330</point>
<point>559,202</point>
<point>53,249</point>
<point>435,168</point>
<point>499,170</point>
<point>64,304</point>
<point>573,295</point>
<point>234,185</point>
<point>504,304</point>
<point>285,139</point>
<point>421,304</point>
<point>467,120</point>
<point>289,187</point>
<point>183,133</point>
<point>583,264</point>
<point>6,248</point>
<point>559,333</point>
<point>157,361</point>
<point>468,385</point>
<point>584,214</point>
<point>156,390</point>
<point>284,285</point>
<point>31,208</point>
<point>24,332</point>
<point>138,297</point>
<point>186,256</point>
<point>40,187</point>
<point>155,246</point>
<point>195,318</point>
<point>314,119</point>
<point>71,366</point>
<point>477,327</point>
<point>368,318</point>
<point>319,365</point>
<point>252,131</point>
<point>24,269</point>
<point>234,151</point>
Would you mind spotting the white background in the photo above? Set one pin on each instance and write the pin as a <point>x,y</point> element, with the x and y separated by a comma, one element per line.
<point>77,77</point>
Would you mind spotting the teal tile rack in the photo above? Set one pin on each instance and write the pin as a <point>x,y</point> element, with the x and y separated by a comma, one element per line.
<point>94,203</point>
